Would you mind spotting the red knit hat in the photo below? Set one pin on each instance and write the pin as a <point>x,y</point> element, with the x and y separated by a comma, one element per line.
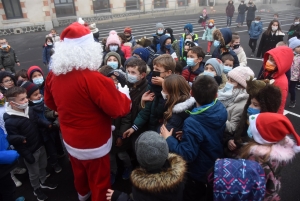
<point>268,128</point>
<point>33,69</point>
<point>77,34</point>
<point>127,30</point>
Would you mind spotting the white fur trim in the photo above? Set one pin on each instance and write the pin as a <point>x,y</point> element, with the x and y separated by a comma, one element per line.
<point>82,41</point>
<point>89,154</point>
<point>85,197</point>
<point>256,135</point>
<point>181,107</point>
<point>279,33</point>
<point>296,149</point>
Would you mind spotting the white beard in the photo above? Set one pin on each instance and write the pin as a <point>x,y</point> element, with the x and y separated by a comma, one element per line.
<point>68,57</point>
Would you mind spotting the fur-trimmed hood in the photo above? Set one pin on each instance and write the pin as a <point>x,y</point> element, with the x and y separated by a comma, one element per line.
<point>183,106</point>
<point>164,181</point>
<point>283,151</point>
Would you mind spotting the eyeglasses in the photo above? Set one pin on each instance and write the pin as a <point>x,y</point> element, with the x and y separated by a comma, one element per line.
<point>7,81</point>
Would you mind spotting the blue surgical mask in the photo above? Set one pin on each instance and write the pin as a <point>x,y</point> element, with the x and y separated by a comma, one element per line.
<point>113,48</point>
<point>209,73</point>
<point>249,133</point>
<point>256,21</point>
<point>167,34</point>
<point>168,46</point>
<point>113,64</point>
<point>216,43</point>
<point>38,80</point>
<point>132,78</point>
<point>160,31</point>
<point>227,69</point>
<point>228,87</point>
<point>190,62</point>
<point>37,101</point>
<point>252,111</point>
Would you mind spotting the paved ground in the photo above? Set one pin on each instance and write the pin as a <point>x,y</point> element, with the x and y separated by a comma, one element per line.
<point>29,50</point>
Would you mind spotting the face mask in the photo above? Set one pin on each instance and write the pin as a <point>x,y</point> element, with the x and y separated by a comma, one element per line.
<point>113,64</point>
<point>274,28</point>
<point>249,133</point>
<point>160,31</point>
<point>270,66</point>
<point>209,73</point>
<point>49,43</point>
<point>216,43</point>
<point>21,106</point>
<point>256,21</point>
<point>190,40</point>
<point>132,78</point>
<point>236,46</point>
<point>190,62</point>
<point>252,111</point>
<point>37,101</point>
<point>168,46</point>
<point>228,87</point>
<point>210,24</point>
<point>38,80</point>
<point>227,69</point>
<point>4,46</point>
<point>297,22</point>
<point>167,34</point>
<point>113,48</point>
<point>164,95</point>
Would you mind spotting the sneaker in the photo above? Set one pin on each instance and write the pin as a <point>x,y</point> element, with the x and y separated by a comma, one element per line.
<point>40,195</point>
<point>48,185</point>
<point>127,172</point>
<point>57,168</point>
<point>17,182</point>
<point>18,170</point>
<point>20,199</point>
<point>112,178</point>
<point>292,104</point>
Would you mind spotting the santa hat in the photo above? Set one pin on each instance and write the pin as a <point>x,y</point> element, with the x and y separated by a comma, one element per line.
<point>127,30</point>
<point>76,34</point>
<point>241,75</point>
<point>113,38</point>
<point>294,42</point>
<point>268,128</point>
<point>80,21</point>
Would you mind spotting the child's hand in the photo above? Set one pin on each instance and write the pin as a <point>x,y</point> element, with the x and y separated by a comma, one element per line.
<point>119,142</point>
<point>179,135</point>
<point>157,80</point>
<point>109,194</point>
<point>128,133</point>
<point>164,132</point>
<point>231,145</point>
<point>148,96</point>
<point>24,141</point>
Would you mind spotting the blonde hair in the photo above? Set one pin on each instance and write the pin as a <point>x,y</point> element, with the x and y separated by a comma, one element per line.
<point>246,151</point>
<point>166,61</point>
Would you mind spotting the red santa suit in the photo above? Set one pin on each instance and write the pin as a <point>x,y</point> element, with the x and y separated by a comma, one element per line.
<point>85,101</point>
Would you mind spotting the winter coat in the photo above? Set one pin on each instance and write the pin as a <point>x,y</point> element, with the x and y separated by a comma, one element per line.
<point>242,9</point>
<point>251,12</point>
<point>224,80</point>
<point>283,57</point>
<point>155,42</point>
<point>167,185</point>
<point>47,54</point>
<point>281,153</point>
<point>230,10</point>
<point>19,128</point>
<point>126,48</point>
<point>255,30</point>
<point>203,19</point>
<point>179,114</point>
<point>208,34</point>
<point>268,42</point>
<point>295,69</point>
<point>132,41</point>
<point>241,56</point>
<point>162,49</point>
<point>54,37</point>
<point>190,75</point>
<point>201,142</point>
<point>8,58</point>
<point>294,31</point>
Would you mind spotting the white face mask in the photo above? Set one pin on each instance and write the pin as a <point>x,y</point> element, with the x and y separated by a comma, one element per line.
<point>49,43</point>
<point>210,24</point>
<point>188,40</point>
<point>21,106</point>
<point>164,95</point>
<point>274,28</point>
<point>297,22</point>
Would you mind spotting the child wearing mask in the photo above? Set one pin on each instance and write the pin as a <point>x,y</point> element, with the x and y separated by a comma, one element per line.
<point>208,35</point>
<point>8,57</point>
<point>294,44</point>
<point>129,36</point>
<point>189,29</point>
<point>237,48</point>
<point>36,76</point>
<point>276,63</point>
<point>254,33</point>
<point>113,44</point>
<point>166,47</point>
<point>7,80</point>
<point>53,34</point>
<point>195,64</point>
<point>113,60</point>
<point>274,144</point>
<point>270,38</point>
<point>203,18</point>
<point>47,51</point>
<point>159,32</point>
<point>198,146</point>
<point>294,29</point>
<point>227,60</point>
<point>214,68</point>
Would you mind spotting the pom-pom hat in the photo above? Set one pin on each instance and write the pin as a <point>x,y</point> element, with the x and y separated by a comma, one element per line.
<point>78,35</point>
<point>113,38</point>
<point>241,75</point>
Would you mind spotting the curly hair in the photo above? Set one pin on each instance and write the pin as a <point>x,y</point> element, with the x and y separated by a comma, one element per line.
<point>217,35</point>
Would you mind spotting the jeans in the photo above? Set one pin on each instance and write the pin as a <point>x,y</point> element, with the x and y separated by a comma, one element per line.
<point>292,90</point>
<point>229,21</point>
<point>37,171</point>
<point>123,156</point>
<point>7,188</point>
<point>252,44</point>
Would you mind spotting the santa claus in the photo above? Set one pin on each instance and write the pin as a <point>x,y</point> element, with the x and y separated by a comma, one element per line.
<point>85,101</point>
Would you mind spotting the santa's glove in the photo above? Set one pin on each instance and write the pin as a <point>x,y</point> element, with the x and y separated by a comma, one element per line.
<point>124,90</point>
<point>113,127</point>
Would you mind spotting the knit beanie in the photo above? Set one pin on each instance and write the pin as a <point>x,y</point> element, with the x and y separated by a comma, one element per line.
<point>30,88</point>
<point>159,25</point>
<point>127,30</point>
<point>294,42</point>
<point>115,54</point>
<point>93,28</point>
<point>269,128</point>
<point>189,27</point>
<point>151,150</point>
<point>33,69</point>
<point>113,38</point>
<point>238,179</point>
<point>143,53</point>
<point>217,64</point>
<point>241,75</point>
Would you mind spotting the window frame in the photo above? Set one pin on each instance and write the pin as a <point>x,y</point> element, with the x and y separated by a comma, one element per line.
<point>5,9</point>
<point>102,10</point>
<point>138,6</point>
<point>163,1</point>
<point>67,3</point>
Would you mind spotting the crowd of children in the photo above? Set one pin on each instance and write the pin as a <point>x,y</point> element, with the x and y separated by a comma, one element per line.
<point>189,117</point>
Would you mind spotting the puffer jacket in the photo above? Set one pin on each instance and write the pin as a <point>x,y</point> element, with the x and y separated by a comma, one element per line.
<point>190,75</point>
<point>8,58</point>
<point>208,33</point>
<point>255,30</point>
<point>295,70</point>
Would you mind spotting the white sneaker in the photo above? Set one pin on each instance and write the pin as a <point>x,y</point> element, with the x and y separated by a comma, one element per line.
<point>17,182</point>
<point>19,170</point>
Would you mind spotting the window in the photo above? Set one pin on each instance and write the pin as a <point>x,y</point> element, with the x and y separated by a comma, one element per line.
<point>182,2</point>
<point>132,5</point>
<point>64,8</point>
<point>101,6</point>
<point>160,3</point>
<point>12,9</point>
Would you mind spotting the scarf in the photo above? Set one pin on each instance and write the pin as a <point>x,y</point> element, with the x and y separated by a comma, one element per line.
<point>210,26</point>
<point>228,97</point>
<point>129,38</point>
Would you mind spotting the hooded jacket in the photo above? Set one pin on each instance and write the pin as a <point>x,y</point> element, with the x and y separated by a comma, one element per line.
<point>268,42</point>
<point>162,49</point>
<point>255,30</point>
<point>201,142</point>
<point>283,57</point>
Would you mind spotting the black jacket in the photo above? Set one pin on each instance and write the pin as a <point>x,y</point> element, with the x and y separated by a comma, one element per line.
<point>268,42</point>
<point>294,31</point>
<point>8,58</point>
<point>20,128</point>
<point>251,12</point>
<point>242,8</point>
